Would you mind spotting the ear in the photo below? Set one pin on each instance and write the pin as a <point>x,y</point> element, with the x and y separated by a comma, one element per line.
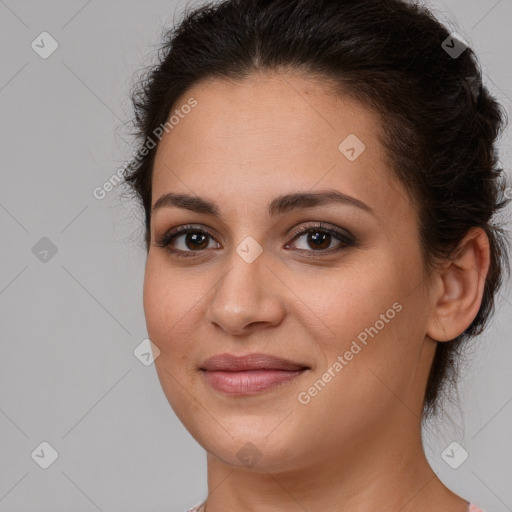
<point>460,287</point>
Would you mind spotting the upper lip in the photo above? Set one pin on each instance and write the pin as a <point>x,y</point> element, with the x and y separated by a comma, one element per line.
<point>256,361</point>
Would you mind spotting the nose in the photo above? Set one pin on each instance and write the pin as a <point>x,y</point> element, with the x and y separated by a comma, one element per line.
<point>247,297</point>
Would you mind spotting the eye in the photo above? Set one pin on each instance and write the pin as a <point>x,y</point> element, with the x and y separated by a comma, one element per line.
<point>187,241</point>
<point>193,240</point>
<point>320,237</point>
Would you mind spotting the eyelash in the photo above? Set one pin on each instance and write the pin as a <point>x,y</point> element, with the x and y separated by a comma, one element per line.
<point>345,239</point>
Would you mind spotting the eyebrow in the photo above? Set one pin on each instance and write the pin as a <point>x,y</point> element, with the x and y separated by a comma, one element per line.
<point>279,205</point>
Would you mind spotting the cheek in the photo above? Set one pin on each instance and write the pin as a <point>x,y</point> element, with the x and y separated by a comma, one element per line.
<point>373,318</point>
<point>174,304</point>
<point>356,299</point>
<point>167,299</point>
<point>156,296</point>
<point>169,316</point>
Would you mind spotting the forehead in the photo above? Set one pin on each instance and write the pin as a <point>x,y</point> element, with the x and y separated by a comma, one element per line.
<point>266,134</point>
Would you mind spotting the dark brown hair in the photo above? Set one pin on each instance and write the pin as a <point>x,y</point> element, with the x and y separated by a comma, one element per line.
<point>439,124</point>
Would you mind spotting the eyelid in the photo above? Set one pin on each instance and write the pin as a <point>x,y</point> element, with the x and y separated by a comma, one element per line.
<point>166,238</point>
<point>322,226</point>
<point>345,238</point>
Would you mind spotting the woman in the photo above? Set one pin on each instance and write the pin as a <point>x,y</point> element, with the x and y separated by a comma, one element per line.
<point>319,181</point>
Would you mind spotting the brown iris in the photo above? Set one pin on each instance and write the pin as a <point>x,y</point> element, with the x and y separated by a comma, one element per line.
<point>319,239</point>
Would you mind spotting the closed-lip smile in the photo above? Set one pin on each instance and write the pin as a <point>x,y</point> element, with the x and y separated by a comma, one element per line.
<point>249,374</point>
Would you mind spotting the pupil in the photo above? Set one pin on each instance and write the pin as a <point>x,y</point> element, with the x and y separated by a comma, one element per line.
<point>194,237</point>
<point>319,239</point>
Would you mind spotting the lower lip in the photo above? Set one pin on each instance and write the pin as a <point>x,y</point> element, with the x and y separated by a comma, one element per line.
<point>249,382</point>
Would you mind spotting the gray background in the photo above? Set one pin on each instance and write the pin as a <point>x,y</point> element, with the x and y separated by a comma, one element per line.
<point>69,326</point>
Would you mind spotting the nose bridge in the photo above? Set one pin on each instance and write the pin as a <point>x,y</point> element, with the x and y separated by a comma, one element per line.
<point>244,294</point>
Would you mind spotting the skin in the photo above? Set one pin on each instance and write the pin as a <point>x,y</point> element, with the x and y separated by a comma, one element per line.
<point>356,446</point>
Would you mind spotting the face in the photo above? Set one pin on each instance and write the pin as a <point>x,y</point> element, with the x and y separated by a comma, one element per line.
<point>334,283</point>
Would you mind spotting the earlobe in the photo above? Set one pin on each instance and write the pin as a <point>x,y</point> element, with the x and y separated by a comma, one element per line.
<point>462,282</point>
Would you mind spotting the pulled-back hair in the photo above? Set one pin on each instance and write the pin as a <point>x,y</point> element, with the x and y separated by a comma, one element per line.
<point>439,124</point>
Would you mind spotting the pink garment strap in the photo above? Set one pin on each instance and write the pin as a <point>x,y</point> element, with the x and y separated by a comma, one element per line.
<point>471,508</point>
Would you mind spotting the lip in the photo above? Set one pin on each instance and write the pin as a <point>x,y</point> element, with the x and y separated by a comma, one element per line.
<point>250,374</point>
<point>255,361</point>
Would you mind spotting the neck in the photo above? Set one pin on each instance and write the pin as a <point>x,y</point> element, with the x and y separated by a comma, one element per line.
<point>382,470</point>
